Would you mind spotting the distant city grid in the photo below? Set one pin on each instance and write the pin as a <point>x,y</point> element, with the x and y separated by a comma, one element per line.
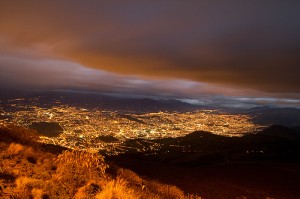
<point>85,129</point>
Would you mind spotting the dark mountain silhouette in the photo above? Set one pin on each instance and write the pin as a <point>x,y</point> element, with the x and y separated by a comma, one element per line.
<point>105,102</point>
<point>282,131</point>
<point>282,116</point>
<point>255,165</point>
<point>274,143</point>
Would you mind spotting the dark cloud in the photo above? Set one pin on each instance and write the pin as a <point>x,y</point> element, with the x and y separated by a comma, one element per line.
<point>29,70</point>
<point>246,45</point>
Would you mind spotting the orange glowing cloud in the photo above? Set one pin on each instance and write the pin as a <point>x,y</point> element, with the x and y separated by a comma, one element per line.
<point>237,45</point>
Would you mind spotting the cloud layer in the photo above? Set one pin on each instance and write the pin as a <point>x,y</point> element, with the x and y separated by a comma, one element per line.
<point>252,45</point>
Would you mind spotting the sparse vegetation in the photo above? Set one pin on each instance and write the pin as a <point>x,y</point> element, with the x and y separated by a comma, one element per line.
<point>118,189</point>
<point>28,171</point>
<point>14,149</point>
<point>131,177</point>
<point>79,163</point>
<point>19,135</point>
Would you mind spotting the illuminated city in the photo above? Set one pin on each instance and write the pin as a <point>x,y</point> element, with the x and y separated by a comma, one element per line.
<point>83,128</point>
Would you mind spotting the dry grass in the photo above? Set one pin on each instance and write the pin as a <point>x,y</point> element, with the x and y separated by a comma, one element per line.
<point>19,135</point>
<point>1,184</point>
<point>27,153</point>
<point>28,183</point>
<point>37,193</point>
<point>117,189</point>
<point>75,169</point>
<point>130,177</point>
<point>88,190</point>
<point>167,191</point>
<point>75,164</point>
<point>14,149</point>
<point>25,186</point>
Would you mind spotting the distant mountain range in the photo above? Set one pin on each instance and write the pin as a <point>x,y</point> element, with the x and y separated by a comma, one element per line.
<point>106,102</point>
<point>282,116</point>
<point>261,115</point>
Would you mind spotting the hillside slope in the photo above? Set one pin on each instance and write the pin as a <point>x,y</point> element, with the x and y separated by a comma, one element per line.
<point>29,169</point>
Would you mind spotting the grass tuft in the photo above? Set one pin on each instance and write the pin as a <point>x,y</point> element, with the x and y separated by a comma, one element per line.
<point>117,189</point>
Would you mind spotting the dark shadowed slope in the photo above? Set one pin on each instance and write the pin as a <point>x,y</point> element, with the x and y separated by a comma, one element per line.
<point>266,164</point>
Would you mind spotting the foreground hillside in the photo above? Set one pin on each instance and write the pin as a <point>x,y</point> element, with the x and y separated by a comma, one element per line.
<point>32,170</point>
<point>261,165</point>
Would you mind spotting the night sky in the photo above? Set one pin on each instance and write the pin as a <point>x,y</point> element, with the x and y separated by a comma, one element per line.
<point>237,53</point>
